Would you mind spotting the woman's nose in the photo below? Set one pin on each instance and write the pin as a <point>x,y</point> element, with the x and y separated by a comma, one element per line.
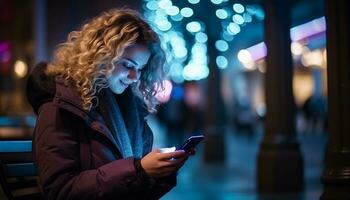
<point>134,74</point>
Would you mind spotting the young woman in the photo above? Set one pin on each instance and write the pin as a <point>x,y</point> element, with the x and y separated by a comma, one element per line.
<point>91,140</point>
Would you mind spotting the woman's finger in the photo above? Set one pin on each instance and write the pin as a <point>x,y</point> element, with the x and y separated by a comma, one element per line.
<point>170,155</point>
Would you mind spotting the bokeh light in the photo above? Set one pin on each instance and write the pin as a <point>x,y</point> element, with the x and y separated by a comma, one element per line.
<point>238,8</point>
<point>221,45</point>
<point>21,68</point>
<point>186,12</point>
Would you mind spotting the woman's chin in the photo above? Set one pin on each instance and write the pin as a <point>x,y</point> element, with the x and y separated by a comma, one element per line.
<point>118,90</point>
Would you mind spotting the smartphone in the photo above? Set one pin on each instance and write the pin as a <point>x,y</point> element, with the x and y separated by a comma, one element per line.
<point>191,142</point>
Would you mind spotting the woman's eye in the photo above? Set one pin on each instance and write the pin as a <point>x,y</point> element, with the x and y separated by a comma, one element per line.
<point>127,65</point>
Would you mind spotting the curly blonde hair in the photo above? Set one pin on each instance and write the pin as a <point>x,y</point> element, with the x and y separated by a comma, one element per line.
<point>84,60</point>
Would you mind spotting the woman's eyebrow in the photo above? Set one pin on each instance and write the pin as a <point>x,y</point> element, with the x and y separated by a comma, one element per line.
<point>131,60</point>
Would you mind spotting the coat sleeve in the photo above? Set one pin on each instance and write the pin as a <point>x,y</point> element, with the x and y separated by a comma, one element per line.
<point>56,150</point>
<point>157,186</point>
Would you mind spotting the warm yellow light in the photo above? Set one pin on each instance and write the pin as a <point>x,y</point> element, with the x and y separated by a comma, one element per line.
<point>244,56</point>
<point>313,58</point>
<point>262,67</point>
<point>325,55</point>
<point>21,69</point>
<point>302,87</point>
<point>249,65</point>
<point>297,48</point>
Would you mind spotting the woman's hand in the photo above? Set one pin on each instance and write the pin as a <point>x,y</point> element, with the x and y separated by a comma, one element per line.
<point>192,151</point>
<point>159,165</point>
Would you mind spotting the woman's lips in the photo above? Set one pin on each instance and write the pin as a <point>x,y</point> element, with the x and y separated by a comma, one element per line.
<point>124,84</point>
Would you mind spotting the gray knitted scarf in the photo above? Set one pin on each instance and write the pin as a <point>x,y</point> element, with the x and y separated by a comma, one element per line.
<point>122,118</point>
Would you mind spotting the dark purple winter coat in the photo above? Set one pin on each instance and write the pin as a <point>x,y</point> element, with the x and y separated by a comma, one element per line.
<point>75,153</point>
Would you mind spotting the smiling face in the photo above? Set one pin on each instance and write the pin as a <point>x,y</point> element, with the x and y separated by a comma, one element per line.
<point>127,68</point>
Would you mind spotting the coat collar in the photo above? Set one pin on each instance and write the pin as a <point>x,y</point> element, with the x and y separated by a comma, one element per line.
<point>69,99</point>
<point>68,94</point>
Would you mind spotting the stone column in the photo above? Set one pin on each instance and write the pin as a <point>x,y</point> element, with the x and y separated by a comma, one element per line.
<point>280,163</point>
<point>215,116</point>
<point>214,146</point>
<point>336,177</point>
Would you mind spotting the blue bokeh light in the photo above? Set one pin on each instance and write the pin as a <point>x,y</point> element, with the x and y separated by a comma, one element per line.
<point>177,17</point>
<point>201,37</point>
<point>247,18</point>
<point>193,27</point>
<point>163,24</point>
<point>238,8</point>
<point>226,36</point>
<point>173,10</point>
<point>221,45</point>
<point>175,72</point>
<point>260,14</point>
<point>233,28</point>
<point>165,4</point>
<point>221,62</point>
<point>238,19</point>
<point>216,1</point>
<point>152,5</point>
<point>193,1</point>
<point>186,12</point>
<point>221,13</point>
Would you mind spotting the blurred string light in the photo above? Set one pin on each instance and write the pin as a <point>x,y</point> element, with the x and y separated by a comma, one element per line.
<point>221,62</point>
<point>186,12</point>
<point>233,28</point>
<point>238,8</point>
<point>172,11</point>
<point>177,17</point>
<point>247,18</point>
<point>201,37</point>
<point>178,45</point>
<point>221,45</point>
<point>187,59</point>
<point>152,5</point>
<point>160,13</point>
<point>193,26</point>
<point>163,24</point>
<point>216,1</point>
<point>175,72</point>
<point>193,1</point>
<point>165,4</point>
<point>197,68</point>
<point>226,36</point>
<point>238,19</point>
<point>221,13</point>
